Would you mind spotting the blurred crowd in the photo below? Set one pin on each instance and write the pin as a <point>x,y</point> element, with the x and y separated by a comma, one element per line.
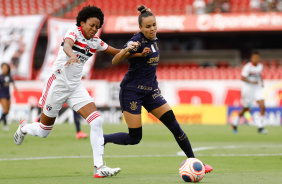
<point>229,6</point>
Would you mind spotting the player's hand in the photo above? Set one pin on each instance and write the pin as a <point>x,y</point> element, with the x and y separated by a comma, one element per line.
<point>132,46</point>
<point>145,52</point>
<point>72,60</point>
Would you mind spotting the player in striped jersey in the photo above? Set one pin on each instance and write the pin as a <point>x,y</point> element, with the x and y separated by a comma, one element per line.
<point>252,90</point>
<point>64,86</point>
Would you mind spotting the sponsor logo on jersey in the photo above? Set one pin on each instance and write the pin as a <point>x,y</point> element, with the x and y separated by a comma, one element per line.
<point>48,107</point>
<point>102,43</point>
<point>81,58</point>
<point>73,34</point>
<point>133,105</point>
<point>145,87</point>
<point>87,49</point>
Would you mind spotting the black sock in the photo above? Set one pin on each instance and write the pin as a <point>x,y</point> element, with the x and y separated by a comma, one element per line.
<point>76,118</point>
<point>3,118</point>
<point>133,137</point>
<point>168,119</point>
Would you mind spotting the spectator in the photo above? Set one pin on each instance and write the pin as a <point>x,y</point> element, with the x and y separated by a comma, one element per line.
<point>199,7</point>
<point>279,5</point>
<point>222,6</point>
<point>255,5</point>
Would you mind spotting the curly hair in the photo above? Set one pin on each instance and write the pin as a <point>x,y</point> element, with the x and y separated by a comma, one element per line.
<point>88,12</point>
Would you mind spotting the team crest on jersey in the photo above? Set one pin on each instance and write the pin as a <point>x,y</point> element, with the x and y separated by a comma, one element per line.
<point>87,49</point>
<point>59,71</point>
<point>133,105</point>
<point>48,107</point>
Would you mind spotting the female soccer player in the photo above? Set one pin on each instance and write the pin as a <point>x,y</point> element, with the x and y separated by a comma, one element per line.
<point>252,90</point>
<point>64,86</point>
<point>140,88</point>
<point>5,80</point>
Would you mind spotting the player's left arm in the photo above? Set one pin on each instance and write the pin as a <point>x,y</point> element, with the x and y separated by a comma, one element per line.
<point>113,51</point>
<point>261,78</point>
<point>16,89</point>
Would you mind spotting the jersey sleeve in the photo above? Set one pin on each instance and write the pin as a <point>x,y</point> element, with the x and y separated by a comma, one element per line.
<point>72,34</point>
<point>136,49</point>
<point>102,45</point>
<point>245,71</point>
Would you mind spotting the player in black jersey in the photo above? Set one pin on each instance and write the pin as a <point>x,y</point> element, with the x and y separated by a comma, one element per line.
<point>5,98</point>
<point>140,88</point>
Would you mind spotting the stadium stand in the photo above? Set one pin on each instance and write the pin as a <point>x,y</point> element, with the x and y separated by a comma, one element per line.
<point>168,7</point>
<point>31,7</point>
<point>190,70</point>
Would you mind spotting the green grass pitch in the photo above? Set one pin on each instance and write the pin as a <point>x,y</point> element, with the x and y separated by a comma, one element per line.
<point>61,159</point>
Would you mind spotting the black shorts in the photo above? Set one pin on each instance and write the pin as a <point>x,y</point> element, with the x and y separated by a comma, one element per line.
<point>4,95</point>
<point>132,101</point>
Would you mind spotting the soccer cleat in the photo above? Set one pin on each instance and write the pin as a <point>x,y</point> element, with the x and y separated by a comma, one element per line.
<point>262,131</point>
<point>105,171</point>
<point>81,135</point>
<point>19,136</point>
<point>208,168</point>
<point>234,129</point>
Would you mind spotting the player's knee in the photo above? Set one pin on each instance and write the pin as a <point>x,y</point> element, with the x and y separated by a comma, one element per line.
<point>167,117</point>
<point>96,123</point>
<point>169,120</point>
<point>135,135</point>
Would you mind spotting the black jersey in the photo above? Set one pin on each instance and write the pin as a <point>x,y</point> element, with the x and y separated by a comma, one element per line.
<point>5,81</point>
<point>141,75</point>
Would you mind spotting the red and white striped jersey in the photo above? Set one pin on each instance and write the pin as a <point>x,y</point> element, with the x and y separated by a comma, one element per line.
<point>83,49</point>
<point>252,72</point>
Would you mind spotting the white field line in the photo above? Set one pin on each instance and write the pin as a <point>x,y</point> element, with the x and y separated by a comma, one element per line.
<point>180,153</point>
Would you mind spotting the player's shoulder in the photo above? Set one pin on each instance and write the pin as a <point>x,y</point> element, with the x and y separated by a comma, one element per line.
<point>74,29</point>
<point>260,64</point>
<point>137,37</point>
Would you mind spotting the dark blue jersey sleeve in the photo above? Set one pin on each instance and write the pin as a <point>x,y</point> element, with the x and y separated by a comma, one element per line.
<point>135,38</point>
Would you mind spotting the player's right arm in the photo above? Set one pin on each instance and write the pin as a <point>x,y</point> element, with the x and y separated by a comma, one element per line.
<point>245,73</point>
<point>245,79</point>
<point>124,53</point>
<point>68,44</point>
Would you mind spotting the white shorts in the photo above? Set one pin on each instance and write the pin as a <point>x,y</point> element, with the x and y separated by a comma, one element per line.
<point>251,93</point>
<point>56,92</point>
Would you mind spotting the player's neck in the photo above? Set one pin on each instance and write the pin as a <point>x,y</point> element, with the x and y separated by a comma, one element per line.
<point>254,64</point>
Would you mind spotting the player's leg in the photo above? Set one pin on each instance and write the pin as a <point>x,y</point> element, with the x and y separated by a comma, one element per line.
<point>83,103</point>
<point>167,117</point>
<point>5,102</point>
<point>260,120</point>
<point>247,97</point>
<point>236,120</point>
<point>51,102</point>
<point>41,129</point>
<point>90,113</point>
<point>79,134</point>
<point>131,104</point>
<point>134,134</point>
